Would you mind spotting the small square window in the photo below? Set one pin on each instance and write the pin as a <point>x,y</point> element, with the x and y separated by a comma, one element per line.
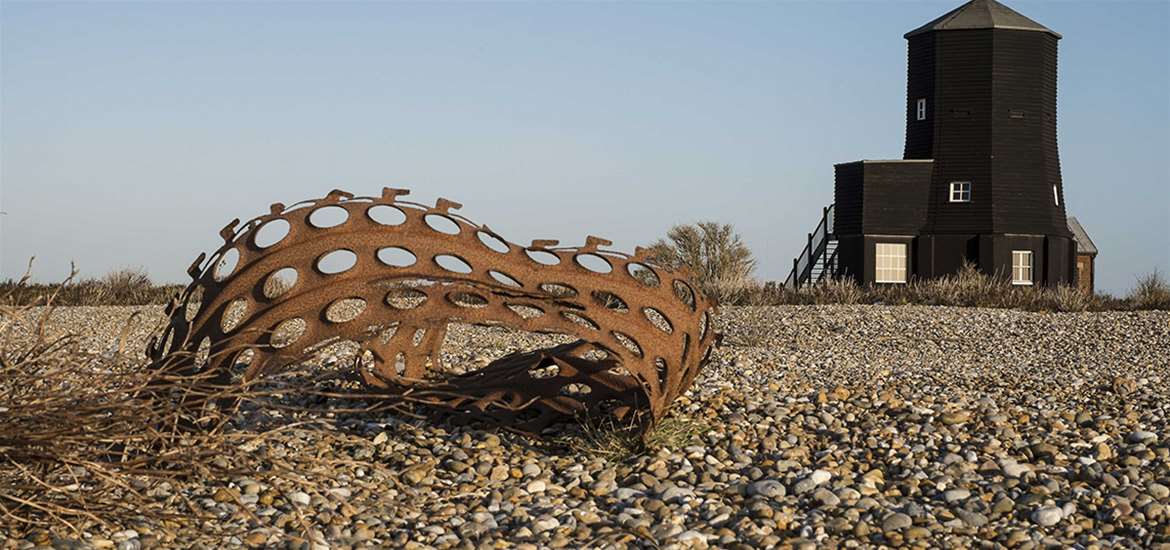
<point>960,191</point>
<point>922,109</point>
<point>890,263</point>
<point>1021,267</point>
<point>1055,196</point>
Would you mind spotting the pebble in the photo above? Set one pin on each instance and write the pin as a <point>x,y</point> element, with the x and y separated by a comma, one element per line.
<point>299,498</point>
<point>1141,437</point>
<point>545,524</point>
<point>1047,516</point>
<point>826,498</point>
<point>769,488</point>
<point>896,521</point>
<point>1015,469</point>
<point>955,495</point>
<point>974,519</point>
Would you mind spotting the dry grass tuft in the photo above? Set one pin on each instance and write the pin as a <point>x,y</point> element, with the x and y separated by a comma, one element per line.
<point>1151,292</point>
<point>86,438</point>
<point>616,442</point>
<point>967,288</point>
<point>124,287</point>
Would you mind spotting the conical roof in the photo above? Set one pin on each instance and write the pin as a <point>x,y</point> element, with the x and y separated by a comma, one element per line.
<point>981,14</point>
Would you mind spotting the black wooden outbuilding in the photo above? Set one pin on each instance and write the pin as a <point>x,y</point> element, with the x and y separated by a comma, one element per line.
<point>979,180</point>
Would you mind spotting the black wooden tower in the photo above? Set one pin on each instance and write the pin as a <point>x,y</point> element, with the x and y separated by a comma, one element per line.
<point>979,180</point>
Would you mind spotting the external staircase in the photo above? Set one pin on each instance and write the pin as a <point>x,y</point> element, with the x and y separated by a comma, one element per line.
<point>818,261</point>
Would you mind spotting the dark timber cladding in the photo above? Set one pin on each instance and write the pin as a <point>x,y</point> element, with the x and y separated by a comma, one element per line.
<point>980,114</point>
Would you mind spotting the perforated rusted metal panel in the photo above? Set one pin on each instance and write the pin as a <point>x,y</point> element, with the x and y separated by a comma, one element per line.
<point>643,331</point>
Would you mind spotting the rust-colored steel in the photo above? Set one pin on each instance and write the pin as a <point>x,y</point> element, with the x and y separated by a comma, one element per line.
<point>643,331</point>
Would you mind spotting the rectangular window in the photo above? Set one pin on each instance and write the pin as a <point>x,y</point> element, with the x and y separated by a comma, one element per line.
<point>890,263</point>
<point>960,191</point>
<point>1021,267</point>
<point>922,109</point>
<point>1055,196</point>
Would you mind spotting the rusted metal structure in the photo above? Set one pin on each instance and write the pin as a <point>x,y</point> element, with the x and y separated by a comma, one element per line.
<point>391,275</point>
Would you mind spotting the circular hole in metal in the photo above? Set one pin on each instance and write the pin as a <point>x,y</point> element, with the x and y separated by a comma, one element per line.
<point>684,293</point>
<point>168,342</point>
<point>610,301</point>
<point>328,216</point>
<point>345,310</point>
<point>546,371</point>
<point>596,354</point>
<point>365,362</point>
<point>493,242</point>
<point>593,262</point>
<point>337,261</point>
<point>559,290</point>
<point>542,257</point>
<point>657,319</point>
<point>627,342</point>
<point>400,364</point>
<point>203,353</point>
<point>643,274</point>
<point>576,389</point>
<point>619,371</point>
<point>386,333</point>
<point>504,278</point>
<point>467,299</point>
<point>405,298</point>
<point>226,264</point>
<point>395,256</point>
<point>386,214</point>
<point>233,314</point>
<point>194,302</point>
<point>244,359</point>
<point>272,232</point>
<point>442,224</point>
<point>279,282</point>
<point>454,264</point>
<point>579,319</point>
<point>525,311</point>
<point>663,374</point>
<point>287,332</point>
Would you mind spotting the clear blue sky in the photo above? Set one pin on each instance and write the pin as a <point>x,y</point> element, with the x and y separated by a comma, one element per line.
<point>130,133</point>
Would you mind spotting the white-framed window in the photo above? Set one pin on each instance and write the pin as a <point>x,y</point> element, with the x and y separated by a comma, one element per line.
<point>1021,267</point>
<point>890,263</point>
<point>960,191</point>
<point>1055,196</point>
<point>921,109</point>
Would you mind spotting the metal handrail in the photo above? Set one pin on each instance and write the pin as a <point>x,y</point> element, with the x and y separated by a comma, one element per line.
<point>814,248</point>
<point>830,267</point>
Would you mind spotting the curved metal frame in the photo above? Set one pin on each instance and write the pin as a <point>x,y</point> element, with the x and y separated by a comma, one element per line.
<point>644,331</point>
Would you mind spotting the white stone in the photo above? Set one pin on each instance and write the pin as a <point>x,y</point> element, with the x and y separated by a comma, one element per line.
<point>299,498</point>
<point>1047,516</point>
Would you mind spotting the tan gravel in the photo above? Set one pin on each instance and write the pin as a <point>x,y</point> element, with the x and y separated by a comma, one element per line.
<point>849,426</point>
